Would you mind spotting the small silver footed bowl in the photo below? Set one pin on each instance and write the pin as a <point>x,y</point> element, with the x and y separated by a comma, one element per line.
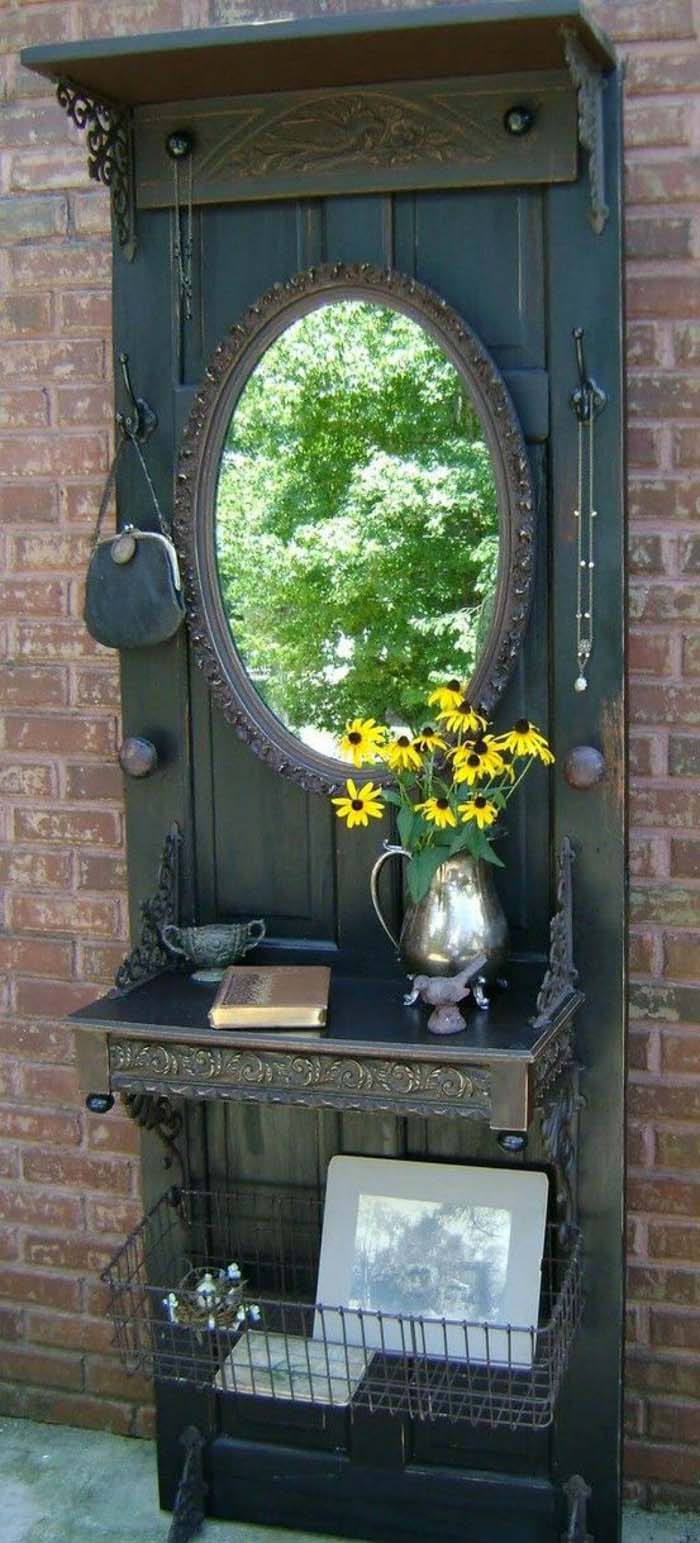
<point>215,946</point>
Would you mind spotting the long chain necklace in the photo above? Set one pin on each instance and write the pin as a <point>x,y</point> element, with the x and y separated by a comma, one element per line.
<point>585,514</point>
<point>179,147</point>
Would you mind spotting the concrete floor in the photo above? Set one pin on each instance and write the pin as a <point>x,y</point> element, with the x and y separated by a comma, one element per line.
<point>59,1485</point>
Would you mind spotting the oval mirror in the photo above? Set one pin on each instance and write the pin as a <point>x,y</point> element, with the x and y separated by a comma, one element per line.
<point>354,515</point>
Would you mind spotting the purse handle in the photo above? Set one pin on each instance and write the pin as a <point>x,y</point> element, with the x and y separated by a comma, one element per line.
<point>124,440</point>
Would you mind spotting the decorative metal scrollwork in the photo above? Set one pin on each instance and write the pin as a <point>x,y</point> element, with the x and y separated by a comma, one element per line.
<point>561,974</point>
<point>188,1510</point>
<point>152,1112</point>
<point>149,956</point>
<point>590,84</point>
<point>559,1124</point>
<point>108,131</point>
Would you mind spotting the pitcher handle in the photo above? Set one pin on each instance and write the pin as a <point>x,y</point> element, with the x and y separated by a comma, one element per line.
<point>254,937</point>
<point>389,851</point>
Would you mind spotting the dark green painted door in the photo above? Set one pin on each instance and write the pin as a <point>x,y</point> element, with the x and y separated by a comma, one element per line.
<point>523,267</point>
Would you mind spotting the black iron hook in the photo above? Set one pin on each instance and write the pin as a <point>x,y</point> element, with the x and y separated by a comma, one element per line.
<point>140,421</point>
<point>589,399</point>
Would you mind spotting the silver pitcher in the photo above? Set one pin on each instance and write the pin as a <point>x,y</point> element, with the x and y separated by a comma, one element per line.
<point>459,917</point>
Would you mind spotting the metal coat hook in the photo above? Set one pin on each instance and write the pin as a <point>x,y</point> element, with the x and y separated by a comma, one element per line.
<point>589,399</point>
<point>140,420</point>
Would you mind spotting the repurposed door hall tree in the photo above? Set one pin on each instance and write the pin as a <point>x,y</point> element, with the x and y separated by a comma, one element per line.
<point>456,168</point>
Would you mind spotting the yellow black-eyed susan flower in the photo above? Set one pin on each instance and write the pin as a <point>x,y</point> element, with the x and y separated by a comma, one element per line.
<point>429,740</point>
<point>437,811</point>
<point>362,740</point>
<point>508,769</point>
<point>525,739</point>
<point>358,805</point>
<point>462,718</point>
<point>478,758</point>
<point>401,754</point>
<point>480,810</point>
<point>447,696</point>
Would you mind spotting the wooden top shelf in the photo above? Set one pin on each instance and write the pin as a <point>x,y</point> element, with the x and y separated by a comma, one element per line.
<point>476,39</point>
<point>376,1053</point>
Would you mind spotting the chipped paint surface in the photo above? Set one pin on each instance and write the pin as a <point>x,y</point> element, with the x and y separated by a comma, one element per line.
<point>612,733</point>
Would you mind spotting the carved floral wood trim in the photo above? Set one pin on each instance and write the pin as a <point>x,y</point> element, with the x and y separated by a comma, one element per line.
<point>193,524</point>
<point>324,1080</point>
<point>330,131</point>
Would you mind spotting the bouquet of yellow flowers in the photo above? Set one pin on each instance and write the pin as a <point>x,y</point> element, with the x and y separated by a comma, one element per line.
<point>449,782</point>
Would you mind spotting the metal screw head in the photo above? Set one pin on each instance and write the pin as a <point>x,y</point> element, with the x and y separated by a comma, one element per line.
<point>99,1103</point>
<point>512,1141</point>
<point>518,120</point>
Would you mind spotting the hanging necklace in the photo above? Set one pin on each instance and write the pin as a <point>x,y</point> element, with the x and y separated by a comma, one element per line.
<point>585,514</point>
<point>179,147</point>
<point>586,402</point>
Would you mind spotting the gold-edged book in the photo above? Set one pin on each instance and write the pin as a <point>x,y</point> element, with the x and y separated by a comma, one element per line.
<point>275,996</point>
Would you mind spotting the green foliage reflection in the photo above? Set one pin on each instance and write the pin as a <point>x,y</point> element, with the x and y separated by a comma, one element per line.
<point>357,520</point>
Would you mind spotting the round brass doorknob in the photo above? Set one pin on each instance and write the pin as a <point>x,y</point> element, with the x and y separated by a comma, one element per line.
<point>137,757</point>
<point>584,767</point>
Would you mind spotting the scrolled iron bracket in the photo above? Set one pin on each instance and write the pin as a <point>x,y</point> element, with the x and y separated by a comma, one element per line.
<point>561,976</point>
<point>108,129</point>
<point>559,1127</point>
<point>153,1112</point>
<point>589,82</point>
<point>149,956</point>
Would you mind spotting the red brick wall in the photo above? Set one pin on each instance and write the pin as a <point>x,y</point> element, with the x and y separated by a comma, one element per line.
<point>69,1185</point>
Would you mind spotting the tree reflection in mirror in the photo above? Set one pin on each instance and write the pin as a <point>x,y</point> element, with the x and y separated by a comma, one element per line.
<point>357,522</point>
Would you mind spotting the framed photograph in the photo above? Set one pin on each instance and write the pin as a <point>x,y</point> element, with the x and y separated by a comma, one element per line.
<point>450,1253</point>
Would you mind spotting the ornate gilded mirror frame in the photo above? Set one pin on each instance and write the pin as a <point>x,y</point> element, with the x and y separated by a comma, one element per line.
<point>195,499</point>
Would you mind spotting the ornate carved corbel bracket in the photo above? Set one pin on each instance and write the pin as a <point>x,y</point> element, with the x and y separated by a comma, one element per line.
<point>589,82</point>
<point>149,957</point>
<point>109,136</point>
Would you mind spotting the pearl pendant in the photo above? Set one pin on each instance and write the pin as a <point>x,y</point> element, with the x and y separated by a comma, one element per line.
<point>580,683</point>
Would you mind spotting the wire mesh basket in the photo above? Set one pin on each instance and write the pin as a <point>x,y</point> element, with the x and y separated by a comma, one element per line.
<point>217,1289</point>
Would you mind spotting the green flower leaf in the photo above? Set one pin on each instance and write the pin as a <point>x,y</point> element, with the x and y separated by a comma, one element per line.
<point>486,851</point>
<point>463,840</point>
<point>406,822</point>
<point>421,871</point>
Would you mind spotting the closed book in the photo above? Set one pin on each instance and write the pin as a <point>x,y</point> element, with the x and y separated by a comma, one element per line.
<point>276,996</point>
<point>287,1366</point>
